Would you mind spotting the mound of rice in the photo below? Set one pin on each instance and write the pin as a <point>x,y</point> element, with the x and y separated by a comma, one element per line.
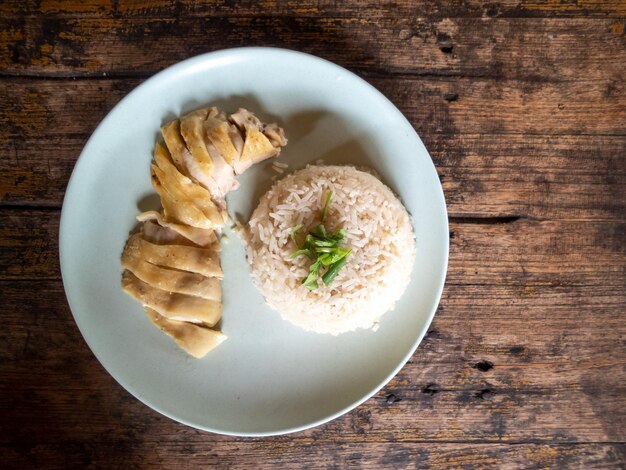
<point>378,230</point>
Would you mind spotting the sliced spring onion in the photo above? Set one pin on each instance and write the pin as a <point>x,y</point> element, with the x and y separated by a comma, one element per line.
<point>338,235</point>
<point>311,280</point>
<point>320,231</point>
<point>333,269</point>
<point>309,240</point>
<point>325,209</point>
<point>325,242</point>
<point>294,232</point>
<point>323,248</point>
<point>338,254</point>
<point>302,251</point>
<point>332,257</point>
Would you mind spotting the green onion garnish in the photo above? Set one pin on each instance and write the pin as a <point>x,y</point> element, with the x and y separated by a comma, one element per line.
<point>311,280</point>
<point>333,270</point>
<point>294,232</point>
<point>323,248</point>
<point>330,195</point>
<point>320,231</point>
<point>303,251</point>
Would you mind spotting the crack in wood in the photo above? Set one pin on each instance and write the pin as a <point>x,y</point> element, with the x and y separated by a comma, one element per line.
<point>501,219</point>
<point>431,389</point>
<point>26,206</point>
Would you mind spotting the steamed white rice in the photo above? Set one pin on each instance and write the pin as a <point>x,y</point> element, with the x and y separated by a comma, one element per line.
<point>378,230</point>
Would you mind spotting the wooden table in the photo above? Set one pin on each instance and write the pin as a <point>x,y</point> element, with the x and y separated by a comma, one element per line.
<point>522,105</point>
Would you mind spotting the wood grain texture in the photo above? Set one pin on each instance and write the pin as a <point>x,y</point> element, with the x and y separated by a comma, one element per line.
<point>526,49</point>
<point>487,383</point>
<point>433,105</point>
<point>572,168</point>
<point>317,455</point>
<point>560,254</point>
<point>525,332</point>
<point>312,8</point>
<point>522,106</point>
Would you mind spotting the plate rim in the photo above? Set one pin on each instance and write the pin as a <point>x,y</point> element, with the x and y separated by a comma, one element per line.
<point>186,64</point>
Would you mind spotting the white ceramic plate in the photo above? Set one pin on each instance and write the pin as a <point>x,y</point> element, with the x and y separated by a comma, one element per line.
<point>269,377</point>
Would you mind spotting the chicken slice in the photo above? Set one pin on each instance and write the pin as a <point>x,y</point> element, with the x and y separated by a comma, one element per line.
<point>175,144</point>
<point>162,232</point>
<point>201,160</point>
<point>171,305</point>
<point>218,183</point>
<point>223,173</point>
<point>245,119</point>
<point>186,163</point>
<point>256,145</point>
<point>176,207</point>
<point>236,138</point>
<point>173,280</point>
<point>176,182</point>
<point>256,148</point>
<point>218,132</point>
<point>275,134</point>
<point>207,161</point>
<point>221,152</point>
<point>194,339</point>
<point>192,130</point>
<point>203,261</point>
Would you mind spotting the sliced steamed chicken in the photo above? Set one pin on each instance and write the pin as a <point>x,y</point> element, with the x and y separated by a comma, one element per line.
<point>211,148</point>
<point>173,280</point>
<point>172,265</point>
<point>172,305</point>
<point>178,281</point>
<point>260,141</point>
<point>191,259</point>
<point>207,165</point>
<point>183,201</point>
<point>161,232</point>
<point>196,340</point>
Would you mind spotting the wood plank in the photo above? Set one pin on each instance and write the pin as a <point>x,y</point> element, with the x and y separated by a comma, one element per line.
<point>546,315</point>
<point>29,242</point>
<point>562,254</point>
<point>529,330</point>
<point>545,363</point>
<point>35,108</point>
<point>472,128</point>
<point>36,171</point>
<point>522,49</point>
<point>218,452</point>
<point>560,177</point>
<point>309,8</point>
<point>544,177</point>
